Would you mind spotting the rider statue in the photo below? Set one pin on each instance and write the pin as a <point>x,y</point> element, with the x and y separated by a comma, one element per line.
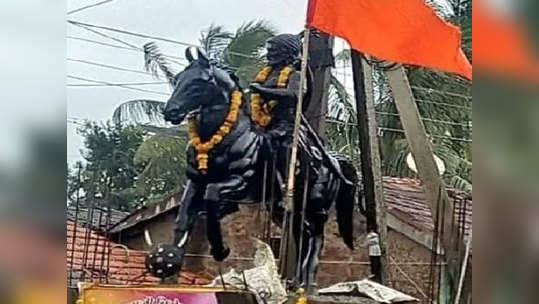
<point>277,85</point>
<point>224,158</point>
<point>273,108</point>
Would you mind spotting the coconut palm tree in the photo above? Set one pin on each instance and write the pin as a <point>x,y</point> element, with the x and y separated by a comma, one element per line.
<point>444,102</point>
<point>239,51</point>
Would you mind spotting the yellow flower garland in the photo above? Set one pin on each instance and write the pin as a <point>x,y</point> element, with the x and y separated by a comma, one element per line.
<point>261,114</point>
<point>202,148</point>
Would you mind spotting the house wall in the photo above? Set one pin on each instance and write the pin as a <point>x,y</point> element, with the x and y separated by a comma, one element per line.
<point>161,230</point>
<point>409,260</point>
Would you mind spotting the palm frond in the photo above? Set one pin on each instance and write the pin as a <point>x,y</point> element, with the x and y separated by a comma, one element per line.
<point>214,40</point>
<point>344,56</point>
<point>141,112</point>
<point>341,131</point>
<point>460,183</point>
<point>164,161</point>
<point>154,61</point>
<point>444,11</point>
<point>340,105</point>
<point>174,132</point>
<point>245,47</point>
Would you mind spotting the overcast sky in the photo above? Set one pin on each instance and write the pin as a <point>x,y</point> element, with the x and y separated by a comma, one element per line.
<point>180,20</point>
<point>174,19</point>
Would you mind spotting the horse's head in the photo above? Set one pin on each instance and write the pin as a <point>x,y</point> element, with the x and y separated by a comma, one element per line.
<point>199,85</point>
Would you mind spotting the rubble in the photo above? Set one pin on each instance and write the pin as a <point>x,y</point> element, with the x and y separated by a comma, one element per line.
<point>373,290</point>
<point>263,280</point>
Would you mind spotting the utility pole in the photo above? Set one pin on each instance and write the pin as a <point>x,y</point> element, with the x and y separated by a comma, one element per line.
<point>371,171</point>
<point>320,62</point>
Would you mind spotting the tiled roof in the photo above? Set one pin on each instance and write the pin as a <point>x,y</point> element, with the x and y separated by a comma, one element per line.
<point>125,266</point>
<point>97,216</point>
<point>405,199</point>
<point>148,212</point>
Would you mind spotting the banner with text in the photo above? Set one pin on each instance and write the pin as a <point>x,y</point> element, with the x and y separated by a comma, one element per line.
<point>146,295</point>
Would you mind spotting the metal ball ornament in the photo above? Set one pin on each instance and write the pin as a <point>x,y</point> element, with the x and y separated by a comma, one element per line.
<point>163,261</point>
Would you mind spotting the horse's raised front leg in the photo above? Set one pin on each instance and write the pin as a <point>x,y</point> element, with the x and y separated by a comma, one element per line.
<point>191,206</point>
<point>218,199</point>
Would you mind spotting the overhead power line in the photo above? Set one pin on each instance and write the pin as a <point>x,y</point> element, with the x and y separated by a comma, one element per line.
<point>134,49</point>
<point>108,66</point>
<point>429,90</point>
<point>336,121</point>
<point>121,31</point>
<point>104,43</point>
<point>132,33</point>
<point>444,122</point>
<point>443,104</point>
<point>132,46</point>
<point>106,36</point>
<point>117,85</point>
<point>435,136</point>
<point>88,6</point>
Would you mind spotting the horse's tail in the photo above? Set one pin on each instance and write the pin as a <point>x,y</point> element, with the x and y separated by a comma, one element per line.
<point>346,201</point>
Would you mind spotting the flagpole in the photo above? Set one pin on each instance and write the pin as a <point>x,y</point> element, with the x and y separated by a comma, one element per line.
<point>297,121</point>
<point>289,206</point>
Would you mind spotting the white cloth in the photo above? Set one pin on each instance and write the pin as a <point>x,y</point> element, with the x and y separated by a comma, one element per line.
<point>373,241</point>
<point>373,290</point>
<point>263,280</point>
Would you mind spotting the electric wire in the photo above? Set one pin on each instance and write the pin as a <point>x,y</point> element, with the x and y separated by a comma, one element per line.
<point>108,66</point>
<point>336,121</point>
<point>121,31</point>
<point>88,6</point>
<point>117,85</point>
<point>429,119</point>
<point>430,91</point>
<point>132,46</point>
<point>139,50</point>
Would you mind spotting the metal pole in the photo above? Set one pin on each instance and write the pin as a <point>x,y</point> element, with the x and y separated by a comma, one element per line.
<point>75,224</point>
<point>463,269</point>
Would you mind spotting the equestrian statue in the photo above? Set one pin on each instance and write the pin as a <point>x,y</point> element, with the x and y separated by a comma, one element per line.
<point>239,144</point>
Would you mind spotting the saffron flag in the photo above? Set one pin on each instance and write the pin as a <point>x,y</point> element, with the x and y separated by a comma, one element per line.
<point>404,31</point>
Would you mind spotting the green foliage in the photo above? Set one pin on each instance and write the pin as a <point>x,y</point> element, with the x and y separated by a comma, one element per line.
<point>164,161</point>
<point>240,50</point>
<point>125,167</point>
<point>108,170</point>
<point>444,102</point>
<point>342,132</point>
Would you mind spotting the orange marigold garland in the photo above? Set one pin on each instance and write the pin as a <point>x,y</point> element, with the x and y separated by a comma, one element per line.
<point>261,114</point>
<point>203,148</point>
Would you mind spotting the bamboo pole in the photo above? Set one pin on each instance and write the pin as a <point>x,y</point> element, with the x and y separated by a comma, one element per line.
<point>289,206</point>
<point>297,121</point>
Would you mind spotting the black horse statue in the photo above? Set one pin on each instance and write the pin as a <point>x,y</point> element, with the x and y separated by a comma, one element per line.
<point>227,157</point>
